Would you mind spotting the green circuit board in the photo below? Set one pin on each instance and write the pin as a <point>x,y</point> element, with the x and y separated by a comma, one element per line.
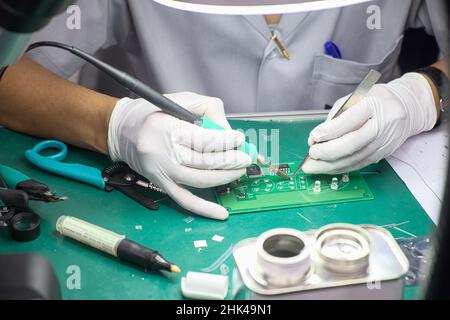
<point>262,190</point>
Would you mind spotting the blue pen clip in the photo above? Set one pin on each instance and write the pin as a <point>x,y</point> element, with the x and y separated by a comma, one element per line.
<point>53,163</point>
<point>332,50</point>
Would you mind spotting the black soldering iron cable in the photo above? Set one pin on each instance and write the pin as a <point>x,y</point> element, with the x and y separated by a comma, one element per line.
<point>2,71</point>
<point>131,83</point>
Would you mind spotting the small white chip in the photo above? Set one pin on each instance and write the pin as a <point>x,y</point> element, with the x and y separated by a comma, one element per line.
<point>188,219</point>
<point>200,244</point>
<point>217,238</point>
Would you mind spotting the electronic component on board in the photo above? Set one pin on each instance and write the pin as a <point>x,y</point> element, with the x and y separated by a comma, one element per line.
<point>254,171</point>
<point>262,190</point>
<point>334,184</point>
<point>345,178</point>
<point>284,168</point>
<point>317,187</point>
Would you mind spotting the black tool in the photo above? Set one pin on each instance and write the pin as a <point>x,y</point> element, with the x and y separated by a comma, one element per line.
<point>37,191</point>
<point>116,176</point>
<point>120,176</point>
<point>6,214</point>
<point>25,226</point>
<point>14,198</point>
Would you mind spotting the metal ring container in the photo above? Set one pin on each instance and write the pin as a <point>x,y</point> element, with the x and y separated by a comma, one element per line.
<point>346,262</point>
<point>343,249</point>
<point>283,258</point>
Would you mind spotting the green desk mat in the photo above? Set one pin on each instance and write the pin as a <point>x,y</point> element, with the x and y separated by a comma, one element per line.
<point>103,277</point>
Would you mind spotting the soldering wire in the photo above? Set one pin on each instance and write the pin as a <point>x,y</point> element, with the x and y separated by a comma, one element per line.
<point>420,176</point>
<point>219,260</point>
<point>405,232</point>
<point>305,218</point>
<point>393,225</point>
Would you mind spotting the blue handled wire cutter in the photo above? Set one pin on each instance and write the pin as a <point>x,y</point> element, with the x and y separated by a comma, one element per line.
<point>116,176</point>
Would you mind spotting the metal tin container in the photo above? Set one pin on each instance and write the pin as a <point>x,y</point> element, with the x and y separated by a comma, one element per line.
<point>338,261</point>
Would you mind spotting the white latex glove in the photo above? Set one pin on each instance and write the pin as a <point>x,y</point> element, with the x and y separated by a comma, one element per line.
<point>374,128</point>
<point>172,153</point>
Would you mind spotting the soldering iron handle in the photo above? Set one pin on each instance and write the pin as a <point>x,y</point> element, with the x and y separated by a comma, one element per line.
<point>144,91</point>
<point>159,100</point>
<point>131,83</point>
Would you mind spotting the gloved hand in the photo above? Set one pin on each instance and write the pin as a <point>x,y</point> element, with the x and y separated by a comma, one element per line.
<point>374,128</point>
<point>171,153</point>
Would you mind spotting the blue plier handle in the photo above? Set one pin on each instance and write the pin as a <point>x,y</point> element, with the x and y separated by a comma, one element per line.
<point>53,163</point>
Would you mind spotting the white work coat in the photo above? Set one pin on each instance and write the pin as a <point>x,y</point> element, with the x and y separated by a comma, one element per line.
<point>234,58</point>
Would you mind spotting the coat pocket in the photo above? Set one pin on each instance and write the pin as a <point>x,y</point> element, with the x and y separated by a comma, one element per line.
<point>334,78</point>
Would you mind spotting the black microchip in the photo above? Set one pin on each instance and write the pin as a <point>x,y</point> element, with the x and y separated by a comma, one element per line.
<point>254,171</point>
<point>284,168</point>
<point>222,189</point>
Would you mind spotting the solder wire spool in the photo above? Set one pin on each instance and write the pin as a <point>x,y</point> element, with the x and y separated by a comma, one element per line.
<point>283,258</point>
<point>342,249</point>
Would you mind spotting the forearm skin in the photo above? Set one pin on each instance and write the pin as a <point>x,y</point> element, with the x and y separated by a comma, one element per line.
<point>35,101</point>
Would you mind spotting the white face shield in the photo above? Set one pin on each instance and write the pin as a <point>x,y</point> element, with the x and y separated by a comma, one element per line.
<point>257,7</point>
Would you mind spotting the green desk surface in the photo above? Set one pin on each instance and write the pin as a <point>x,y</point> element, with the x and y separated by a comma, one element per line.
<point>104,277</point>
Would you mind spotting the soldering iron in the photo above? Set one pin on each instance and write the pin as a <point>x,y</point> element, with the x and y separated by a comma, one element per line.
<point>168,106</point>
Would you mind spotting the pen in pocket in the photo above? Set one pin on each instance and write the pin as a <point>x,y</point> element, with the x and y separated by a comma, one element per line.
<point>332,50</point>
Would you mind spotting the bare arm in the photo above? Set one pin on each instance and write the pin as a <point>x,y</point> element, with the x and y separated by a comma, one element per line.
<point>37,102</point>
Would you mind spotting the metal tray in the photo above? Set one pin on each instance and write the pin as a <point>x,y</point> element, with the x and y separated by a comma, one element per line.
<point>386,262</point>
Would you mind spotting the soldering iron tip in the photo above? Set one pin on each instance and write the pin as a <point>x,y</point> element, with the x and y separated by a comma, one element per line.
<point>174,268</point>
<point>283,175</point>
